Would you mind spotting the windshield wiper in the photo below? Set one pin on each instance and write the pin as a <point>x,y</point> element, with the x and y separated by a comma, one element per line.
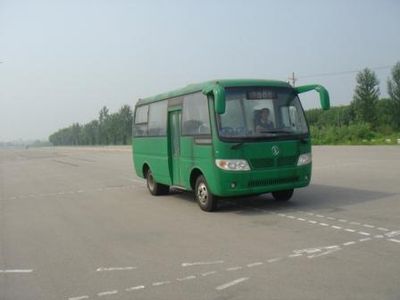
<point>277,131</point>
<point>237,146</point>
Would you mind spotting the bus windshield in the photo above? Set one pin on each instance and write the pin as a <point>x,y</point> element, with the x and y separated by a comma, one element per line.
<point>261,113</point>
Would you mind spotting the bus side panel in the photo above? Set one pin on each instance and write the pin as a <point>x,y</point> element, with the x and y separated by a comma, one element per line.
<point>154,152</point>
<point>196,156</point>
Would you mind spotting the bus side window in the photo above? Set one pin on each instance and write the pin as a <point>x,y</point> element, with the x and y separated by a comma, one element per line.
<point>195,116</point>
<point>158,118</point>
<point>141,119</point>
<point>289,116</point>
<point>293,116</point>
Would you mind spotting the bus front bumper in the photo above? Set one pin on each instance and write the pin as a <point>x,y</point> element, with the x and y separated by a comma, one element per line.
<point>231,183</point>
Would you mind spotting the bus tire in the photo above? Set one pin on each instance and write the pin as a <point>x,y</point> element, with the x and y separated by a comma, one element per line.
<point>154,187</point>
<point>283,195</point>
<point>203,196</point>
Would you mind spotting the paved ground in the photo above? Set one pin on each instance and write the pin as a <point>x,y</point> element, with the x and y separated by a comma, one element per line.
<point>77,224</point>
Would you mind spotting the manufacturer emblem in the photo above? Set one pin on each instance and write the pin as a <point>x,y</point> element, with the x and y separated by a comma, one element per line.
<point>275,150</point>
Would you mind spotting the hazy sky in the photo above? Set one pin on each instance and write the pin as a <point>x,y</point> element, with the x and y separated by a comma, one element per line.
<point>64,60</point>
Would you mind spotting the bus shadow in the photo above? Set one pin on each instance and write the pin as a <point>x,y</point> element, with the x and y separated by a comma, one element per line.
<point>316,196</point>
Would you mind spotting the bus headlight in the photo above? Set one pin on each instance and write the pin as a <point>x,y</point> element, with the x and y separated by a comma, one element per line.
<point>232,164</point>
<point>304,159</point>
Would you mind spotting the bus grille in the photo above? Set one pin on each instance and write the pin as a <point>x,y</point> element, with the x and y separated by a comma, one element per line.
<point>287,161</point>
<point>265,163</point>
<point>272,181</point>
<point>262,163</point>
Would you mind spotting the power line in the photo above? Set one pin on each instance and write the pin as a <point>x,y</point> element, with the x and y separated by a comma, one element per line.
<point>342,72</point>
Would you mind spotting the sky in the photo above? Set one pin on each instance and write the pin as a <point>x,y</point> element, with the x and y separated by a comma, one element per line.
<point>64,60</point>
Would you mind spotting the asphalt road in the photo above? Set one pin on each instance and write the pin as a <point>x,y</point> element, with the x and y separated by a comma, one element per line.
<point>78,224</point>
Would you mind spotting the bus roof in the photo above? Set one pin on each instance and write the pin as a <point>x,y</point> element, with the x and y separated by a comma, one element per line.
<point>196,87</point>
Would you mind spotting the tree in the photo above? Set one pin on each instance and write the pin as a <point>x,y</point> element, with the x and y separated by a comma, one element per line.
<point>126,117</point>
<point>103,126</point>
<point>394,92</point>
<point>366,96</point>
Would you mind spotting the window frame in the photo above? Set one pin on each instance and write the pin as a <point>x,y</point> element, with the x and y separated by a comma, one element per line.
<point>201,135</point>
<point>257,139</point>
<point>166,119</point>
<point>141,123</point>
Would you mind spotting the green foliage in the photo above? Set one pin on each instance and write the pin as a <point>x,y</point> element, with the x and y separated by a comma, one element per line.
<point>336,116</point>
<point>339,125</point>
<point>394,92</point>
<point>348,134</point>
<point>366,95</point>
<point>113,129</point>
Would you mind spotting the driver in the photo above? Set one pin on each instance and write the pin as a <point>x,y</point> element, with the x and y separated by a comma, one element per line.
<point>263,121</point>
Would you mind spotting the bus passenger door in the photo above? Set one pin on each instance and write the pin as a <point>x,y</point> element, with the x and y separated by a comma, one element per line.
<point>174,121</point>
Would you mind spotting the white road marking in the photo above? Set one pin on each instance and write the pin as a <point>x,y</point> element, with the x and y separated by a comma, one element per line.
<point>349,230</point>
<point>115,269</point>
<point>159,283</point>
<point>320,216</point>
<point>383,229</point>
<point>336,227</point>
<point>255,264</point>
<point>348,243</point>
<point>323,224</point>
<point>379,236</point>
<point>300,219</point>
<point>331,218</point>
<point>107,293</point>
<point>342,220</point>
<point>134,288</point>
<point>364,239</point>
<point>394,240</point>
<point>295,255</point>
<point>234,268</point>
<point>208,273</point>
<point>274,259</point>
<point>78,298</point>
<point>355,223</point>
<point>17,271</point>
<point>392,233</point>
<point>310,213</point>
<point>369,226</point>
<point>186,278</point>
<point>333,249</point>
<point>291,217</point>
<point>232,283</point>
<point>364,233</point>
<point>312,222</point>
<point>308,251</point>
<point>282,215</point>
<point>199,263</point>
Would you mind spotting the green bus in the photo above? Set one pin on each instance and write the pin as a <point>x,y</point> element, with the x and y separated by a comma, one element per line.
<point>225,138</point>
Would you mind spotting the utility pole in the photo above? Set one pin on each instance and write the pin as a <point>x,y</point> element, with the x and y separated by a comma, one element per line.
<point>293,79</point>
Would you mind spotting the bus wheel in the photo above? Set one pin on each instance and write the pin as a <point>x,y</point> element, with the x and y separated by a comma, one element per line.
<point>206,200</point>
<point>282,195</point>
<point>154,187</point>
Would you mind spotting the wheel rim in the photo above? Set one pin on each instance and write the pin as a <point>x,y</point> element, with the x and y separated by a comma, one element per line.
<point>150,181</point>
<point>202,194</point>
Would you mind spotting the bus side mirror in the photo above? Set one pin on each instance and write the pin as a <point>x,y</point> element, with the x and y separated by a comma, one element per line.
<point>323,93</point>
<point>219,98</point>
